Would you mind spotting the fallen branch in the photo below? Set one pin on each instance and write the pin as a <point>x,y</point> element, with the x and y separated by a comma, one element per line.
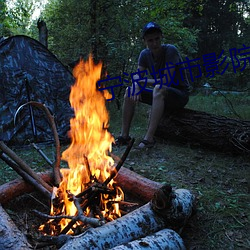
<point>132,183</point>
<point>18,187</point>
<point>212,131</point>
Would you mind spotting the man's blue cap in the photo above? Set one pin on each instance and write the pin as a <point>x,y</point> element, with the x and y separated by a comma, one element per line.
<point>150,26</point>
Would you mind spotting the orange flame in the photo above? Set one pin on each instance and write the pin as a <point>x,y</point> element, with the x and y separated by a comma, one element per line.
<point>88,154</point>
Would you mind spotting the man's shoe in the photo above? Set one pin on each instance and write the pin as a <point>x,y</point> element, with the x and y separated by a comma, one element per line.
<point>146,144</point>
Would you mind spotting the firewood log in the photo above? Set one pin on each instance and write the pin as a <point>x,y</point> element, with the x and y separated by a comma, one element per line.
<point>10,237</point>
<point>150,218</point>
<point>161,240</point>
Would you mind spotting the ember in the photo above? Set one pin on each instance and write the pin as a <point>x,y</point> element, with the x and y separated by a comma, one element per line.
<point>87,188</point>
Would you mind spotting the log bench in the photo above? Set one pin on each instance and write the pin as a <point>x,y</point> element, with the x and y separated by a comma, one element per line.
<point>211,131</point>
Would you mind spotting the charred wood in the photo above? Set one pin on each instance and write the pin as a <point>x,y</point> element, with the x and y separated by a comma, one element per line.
<point>120,163</point>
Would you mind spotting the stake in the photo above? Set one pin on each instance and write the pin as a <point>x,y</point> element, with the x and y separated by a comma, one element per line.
<point>42,154</point>
<point>120,163</point>
<point>25,176</point>
<point>24,166</point>
<point>33,125</point>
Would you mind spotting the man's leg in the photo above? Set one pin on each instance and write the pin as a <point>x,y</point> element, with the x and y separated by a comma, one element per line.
<point>128,110</point>
<point>156,113</point>
<point>164,100</point>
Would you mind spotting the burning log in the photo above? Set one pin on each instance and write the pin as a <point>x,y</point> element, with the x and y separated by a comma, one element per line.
<point>165,210</point>
<point>10,237</point>
<point>163,239</point>
<point>212,131</point>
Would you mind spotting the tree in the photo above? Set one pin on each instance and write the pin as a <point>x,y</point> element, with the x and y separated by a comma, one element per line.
<point>4,20</point>
<point>222,26</point>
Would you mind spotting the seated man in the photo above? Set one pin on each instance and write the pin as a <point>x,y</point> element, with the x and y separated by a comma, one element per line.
<point>170,84</point>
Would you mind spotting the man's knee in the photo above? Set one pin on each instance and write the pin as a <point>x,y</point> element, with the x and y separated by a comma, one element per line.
<point>158,91</point>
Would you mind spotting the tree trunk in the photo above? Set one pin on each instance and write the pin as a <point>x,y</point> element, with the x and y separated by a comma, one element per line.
<point>43,32</point>
<point>136,185</point>
<point>212,131</point>
<point>10,237</point>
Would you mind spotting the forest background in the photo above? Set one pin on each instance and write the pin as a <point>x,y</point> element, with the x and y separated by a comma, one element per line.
<point>111,31</point>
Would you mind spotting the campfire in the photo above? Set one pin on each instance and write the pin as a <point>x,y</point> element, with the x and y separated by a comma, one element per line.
<point>87,188</point>
<point>87,198</point>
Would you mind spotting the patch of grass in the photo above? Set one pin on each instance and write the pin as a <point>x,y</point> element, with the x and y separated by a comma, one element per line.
<point>233,106</point>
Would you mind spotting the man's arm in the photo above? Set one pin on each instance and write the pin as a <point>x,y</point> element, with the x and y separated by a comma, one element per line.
<point>163,80</point>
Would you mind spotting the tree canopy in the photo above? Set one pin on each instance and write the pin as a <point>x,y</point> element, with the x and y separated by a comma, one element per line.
<point>111,31</point>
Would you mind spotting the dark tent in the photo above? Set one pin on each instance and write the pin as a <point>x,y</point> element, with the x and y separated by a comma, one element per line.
<point>29,71</point>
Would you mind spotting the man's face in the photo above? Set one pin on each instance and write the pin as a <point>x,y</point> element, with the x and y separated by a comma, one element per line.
<point>153,41</point>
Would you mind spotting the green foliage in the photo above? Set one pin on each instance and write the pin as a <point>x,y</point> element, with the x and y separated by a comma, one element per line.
<point>111,31</point>
<point>222,25</point>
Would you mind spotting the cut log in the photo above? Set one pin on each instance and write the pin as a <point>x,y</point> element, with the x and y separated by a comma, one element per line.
<point>212,131</point>
<point>163,239</point>
<point>10,237</point>
<point>150,218</point>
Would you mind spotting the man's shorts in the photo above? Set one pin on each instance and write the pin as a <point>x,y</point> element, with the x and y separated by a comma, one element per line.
<point>175,99</point>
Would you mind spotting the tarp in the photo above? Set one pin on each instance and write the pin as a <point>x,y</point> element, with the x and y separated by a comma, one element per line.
<point>29,71</point>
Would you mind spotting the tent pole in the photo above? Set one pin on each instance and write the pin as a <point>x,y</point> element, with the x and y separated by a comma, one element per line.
<point>33,125</point>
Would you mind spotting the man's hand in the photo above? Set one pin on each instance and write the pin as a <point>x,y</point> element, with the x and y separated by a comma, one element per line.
<point>136,88</point>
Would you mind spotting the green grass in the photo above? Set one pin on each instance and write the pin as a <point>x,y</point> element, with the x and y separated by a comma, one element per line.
<point>228,105</point>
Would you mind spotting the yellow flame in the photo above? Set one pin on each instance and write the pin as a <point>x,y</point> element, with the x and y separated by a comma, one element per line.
<point>89,135</point>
